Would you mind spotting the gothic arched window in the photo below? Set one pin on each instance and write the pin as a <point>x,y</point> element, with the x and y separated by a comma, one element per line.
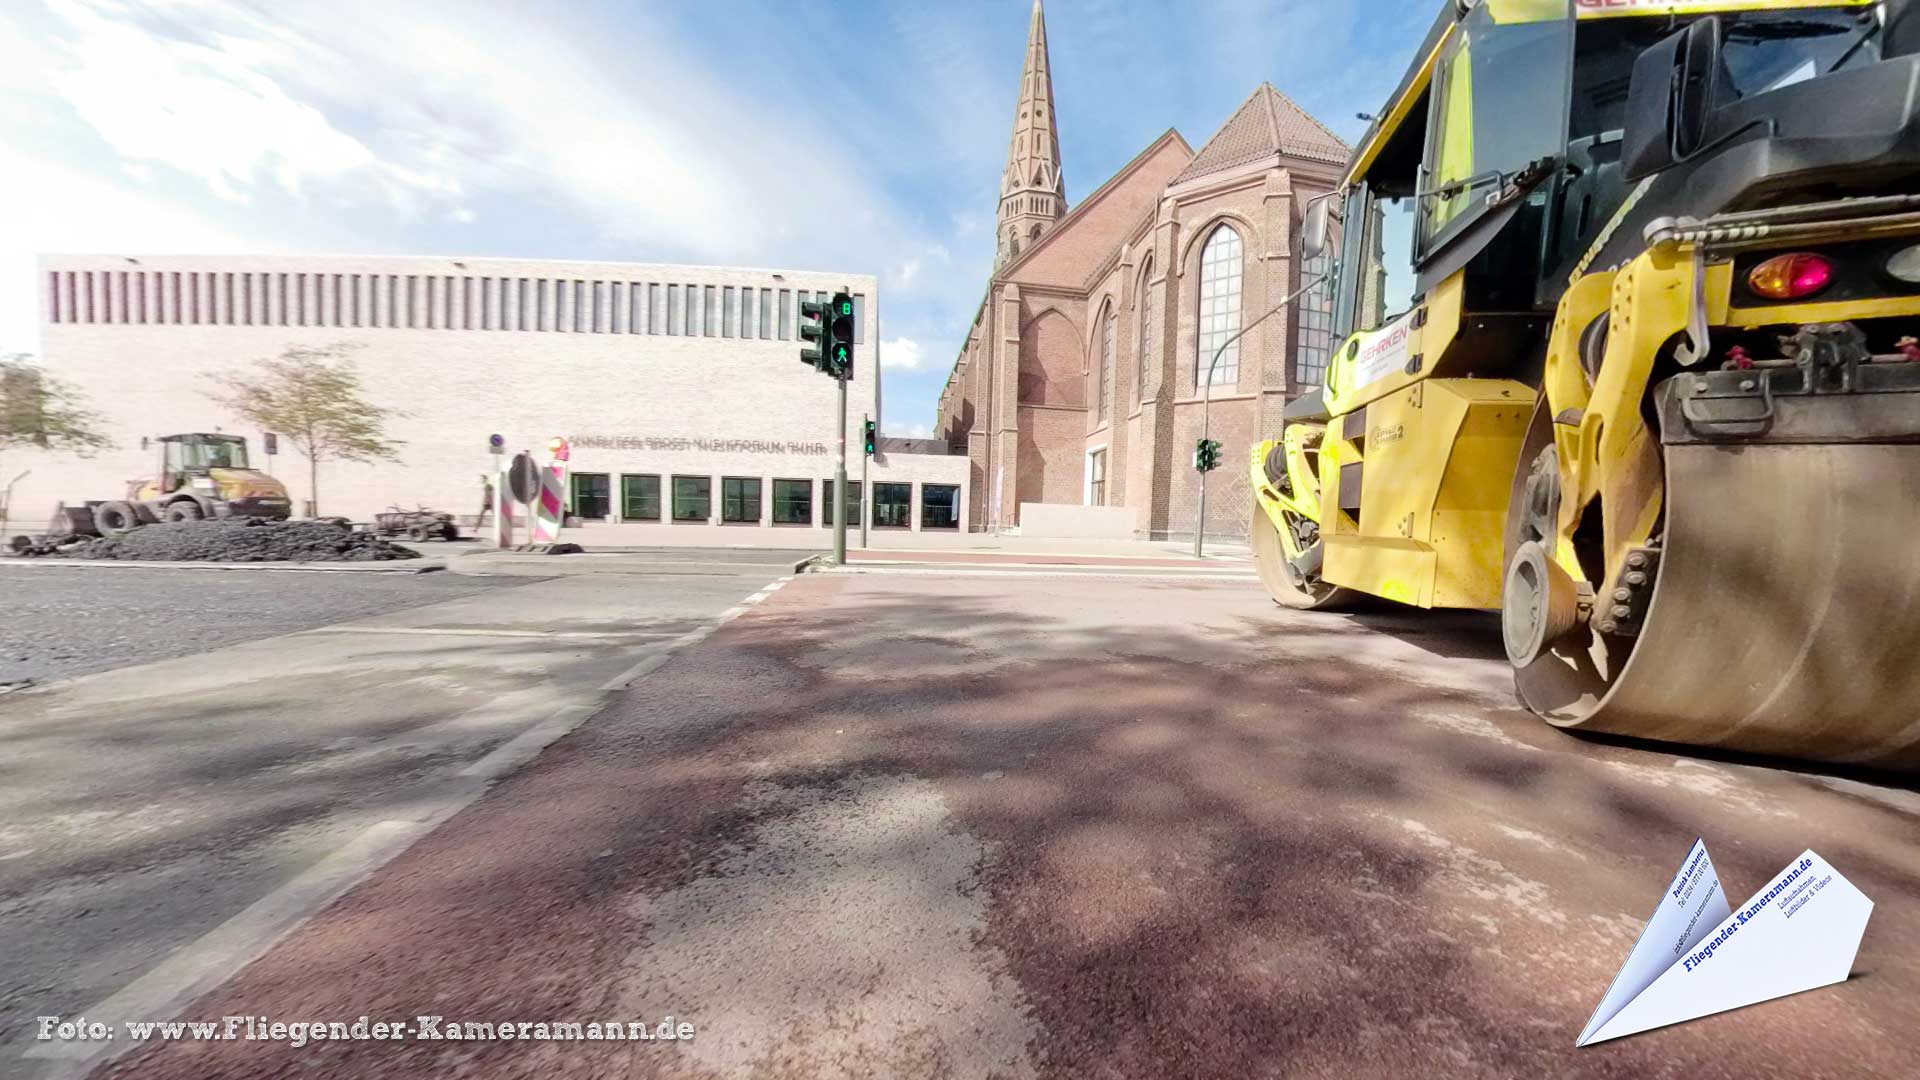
<point>1146,313</point>
<point>1219,314</point>
<point>1103,368</point>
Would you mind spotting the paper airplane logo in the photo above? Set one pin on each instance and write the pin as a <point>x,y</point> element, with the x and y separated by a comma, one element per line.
<point>1697,956</point>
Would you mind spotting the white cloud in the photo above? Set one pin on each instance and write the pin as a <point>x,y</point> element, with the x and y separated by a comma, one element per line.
<point>901,354</point>
<point>72,211</point>
<point>211,109</point>
<point>911,431</point>
<point>430,109</point>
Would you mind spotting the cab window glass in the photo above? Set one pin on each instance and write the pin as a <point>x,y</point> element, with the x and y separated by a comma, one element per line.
<point>1765,51</point>
<point>1377,271</point>
<point>1498,105</point>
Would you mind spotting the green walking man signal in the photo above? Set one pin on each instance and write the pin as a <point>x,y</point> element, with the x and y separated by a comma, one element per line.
<point>872,432</point>
<point>826,335</point>
<point>1206,455</point>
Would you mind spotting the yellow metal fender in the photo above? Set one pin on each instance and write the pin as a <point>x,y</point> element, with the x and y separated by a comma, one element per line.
<point>1299,442</point>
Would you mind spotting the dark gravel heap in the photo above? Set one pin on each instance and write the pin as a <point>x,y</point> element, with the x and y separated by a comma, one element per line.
<point>241,540</point>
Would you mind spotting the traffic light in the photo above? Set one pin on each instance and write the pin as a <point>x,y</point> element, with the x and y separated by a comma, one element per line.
<point>872,433</point>
<point>1206,455</point>
<point>840,336</point>
<point>813,334</point>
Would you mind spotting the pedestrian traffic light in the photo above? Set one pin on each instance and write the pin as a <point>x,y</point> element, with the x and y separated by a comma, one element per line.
<point>872,434</point>
<point>813,334</point>
<point>840,336</point>
<point>1206,455</point>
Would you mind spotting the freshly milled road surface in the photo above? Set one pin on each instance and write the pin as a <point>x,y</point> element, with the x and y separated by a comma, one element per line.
<point>900,826</point>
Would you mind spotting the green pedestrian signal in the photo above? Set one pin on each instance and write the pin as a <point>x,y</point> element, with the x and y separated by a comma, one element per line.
<point>873,435</point>
<point>813,334</point>
<point>839,340</point>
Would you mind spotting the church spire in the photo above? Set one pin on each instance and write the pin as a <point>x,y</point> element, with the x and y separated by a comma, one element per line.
<point>1032,193</point>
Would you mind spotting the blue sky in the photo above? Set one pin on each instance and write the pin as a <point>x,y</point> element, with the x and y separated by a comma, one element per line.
<point>650,132</point>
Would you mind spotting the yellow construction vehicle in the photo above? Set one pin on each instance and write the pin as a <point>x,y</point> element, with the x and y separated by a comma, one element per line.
<point>201,475</point>
<point>1652,390</point>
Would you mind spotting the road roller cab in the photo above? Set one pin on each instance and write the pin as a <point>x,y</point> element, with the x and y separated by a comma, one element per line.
<point>1629,297</point>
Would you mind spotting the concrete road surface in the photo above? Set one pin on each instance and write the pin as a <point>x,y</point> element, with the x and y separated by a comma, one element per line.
<point>1030,826</point>
<point>58,621</point>
<point>161,823</point>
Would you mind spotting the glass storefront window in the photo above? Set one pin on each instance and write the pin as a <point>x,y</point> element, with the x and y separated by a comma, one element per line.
<point>740,500</point>
<point>640,498</point>
<point>591,496</point>
<point>692,498</point>
<point>793,502</point>
<point>853,503</point>
<point>939,506</point>
<point>892,506</point>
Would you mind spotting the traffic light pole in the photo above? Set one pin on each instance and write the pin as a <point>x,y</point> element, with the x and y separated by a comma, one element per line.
<point>864,494</point>
<point>840,486</point>
<point>1206,398</point>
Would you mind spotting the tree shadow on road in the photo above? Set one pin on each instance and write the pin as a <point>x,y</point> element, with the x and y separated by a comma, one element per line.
<point>1260,846</point>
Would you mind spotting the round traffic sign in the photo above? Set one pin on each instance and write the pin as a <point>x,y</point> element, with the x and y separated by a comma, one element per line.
<point>523,478</point>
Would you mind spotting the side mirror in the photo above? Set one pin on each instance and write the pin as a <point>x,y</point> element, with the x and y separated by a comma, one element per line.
<point>1315,227</point>
<point>1670,100</point>
<point>1699,77</point>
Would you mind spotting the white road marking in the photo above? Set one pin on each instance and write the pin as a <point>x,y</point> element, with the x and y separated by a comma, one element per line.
<point>528,744</point>
<point>215,956</point>
<point>692,637</point>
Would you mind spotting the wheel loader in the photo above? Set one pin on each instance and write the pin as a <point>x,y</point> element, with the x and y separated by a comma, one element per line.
<point>201,475</point>
<point>1628,302</point>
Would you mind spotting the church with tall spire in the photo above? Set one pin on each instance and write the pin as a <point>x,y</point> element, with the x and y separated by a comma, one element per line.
<point>1079,387</point>
<point>1033,194</point>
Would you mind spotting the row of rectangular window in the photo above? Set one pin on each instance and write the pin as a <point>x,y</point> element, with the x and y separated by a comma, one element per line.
<point>740,503</point>
<point>429,302</point>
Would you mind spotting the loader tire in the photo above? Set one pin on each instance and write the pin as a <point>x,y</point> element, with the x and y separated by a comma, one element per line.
<point>184,510</point>
<point>116,518</point>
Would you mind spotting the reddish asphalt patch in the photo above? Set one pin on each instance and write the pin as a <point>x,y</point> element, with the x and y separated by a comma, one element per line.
<point>1219,841</point>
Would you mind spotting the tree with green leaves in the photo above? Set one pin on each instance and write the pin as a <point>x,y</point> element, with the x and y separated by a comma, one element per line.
<point>44,412</point>
<point>312,398</point>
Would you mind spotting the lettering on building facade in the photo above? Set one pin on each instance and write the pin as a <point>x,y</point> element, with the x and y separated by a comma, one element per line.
<point>714,446</point>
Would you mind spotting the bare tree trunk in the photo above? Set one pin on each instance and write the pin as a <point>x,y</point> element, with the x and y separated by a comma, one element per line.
<point>313,484</point>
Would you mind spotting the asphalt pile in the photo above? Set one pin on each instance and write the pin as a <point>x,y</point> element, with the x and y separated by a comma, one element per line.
<point>241,540</point>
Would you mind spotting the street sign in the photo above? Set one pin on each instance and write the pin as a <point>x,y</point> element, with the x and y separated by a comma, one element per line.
<point>523,478</point>
<point>270,443</point>
<point>496,444</point>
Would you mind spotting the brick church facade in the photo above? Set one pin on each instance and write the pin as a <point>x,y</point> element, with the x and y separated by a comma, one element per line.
<point>1081,378</point>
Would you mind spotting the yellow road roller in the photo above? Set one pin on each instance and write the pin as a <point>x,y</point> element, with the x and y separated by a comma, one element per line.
<point>1628,297</point>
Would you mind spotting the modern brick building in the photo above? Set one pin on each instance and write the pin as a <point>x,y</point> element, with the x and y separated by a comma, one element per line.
<point>680,387</point>
<point>1081,379</point>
